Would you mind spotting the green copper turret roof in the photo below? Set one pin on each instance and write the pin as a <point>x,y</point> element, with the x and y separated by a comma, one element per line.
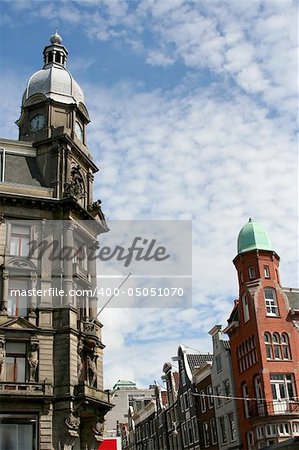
<point>253,237</point>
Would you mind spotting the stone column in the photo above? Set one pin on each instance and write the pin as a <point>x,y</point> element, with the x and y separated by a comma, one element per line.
<point>92,269</point>
<point>67,252</point>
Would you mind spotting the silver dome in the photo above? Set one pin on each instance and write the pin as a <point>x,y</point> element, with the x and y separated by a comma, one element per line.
<point>54,82</point>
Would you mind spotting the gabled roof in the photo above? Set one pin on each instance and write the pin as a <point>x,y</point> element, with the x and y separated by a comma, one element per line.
<point>293,297</point>
<point>226,345</point>
<point>198,360</point>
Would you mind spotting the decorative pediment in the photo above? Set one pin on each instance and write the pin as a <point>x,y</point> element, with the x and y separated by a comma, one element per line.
<point>83,110</point>
<point>36,98</point>
<point>18,323</point>
<point>20,263</point>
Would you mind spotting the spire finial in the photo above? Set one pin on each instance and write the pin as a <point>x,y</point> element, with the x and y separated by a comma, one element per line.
<point>56,38</point>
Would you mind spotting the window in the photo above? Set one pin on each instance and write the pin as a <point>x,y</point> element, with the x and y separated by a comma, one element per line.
<point>268,344</point>
<point>259,395</point>
<point>203,401</point>
<point>209,395</point>
<point>251,273</point>
<point>213,431</point>
<point>271,430</point>
<point>186,400</point>
<point>227,391</point>
<point>277,346</point>
<point>282,386</point>
<point>232,427</point>
<point>82,303</point>
<point>259,432</point>
<point>284,429</point>
<point>286,354</point>
<point>206,435</point>
<point>245,308</point>
<point>16,362</point>
<point>80,255</point>
<point>218,395</point>
<point>190,431</point>
<point>195,429</point>
<point>185,436</point>
<point>223,435</point>
<point>246,402</point>
<point>218,363</point>
<point>17,297</point>
<point>19,240</point>
<point>295,427</point>
<point>250,440</point>
<point>266,272</point>
<point>271,302</point>
<point>18,431</point>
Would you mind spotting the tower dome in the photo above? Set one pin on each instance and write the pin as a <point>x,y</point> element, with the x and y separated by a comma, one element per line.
<point>54,80</point>
<point>253,237</point>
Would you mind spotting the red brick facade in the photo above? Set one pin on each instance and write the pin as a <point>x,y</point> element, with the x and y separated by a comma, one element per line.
<point>265,352</point>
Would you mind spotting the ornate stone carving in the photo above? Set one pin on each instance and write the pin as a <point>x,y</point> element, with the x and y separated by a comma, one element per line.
<point>95,209</point>
<point>75,187</point>
<point>92,368</point>
<point>98,430</point>
<point>79,362</point>
<point>32,358</point>
<point>72,423</point>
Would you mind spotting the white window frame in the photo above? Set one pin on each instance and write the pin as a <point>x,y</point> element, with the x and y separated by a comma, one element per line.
<point>271,302</point>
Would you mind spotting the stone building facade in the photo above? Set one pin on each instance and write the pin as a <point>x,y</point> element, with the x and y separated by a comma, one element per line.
<point>125,394</point>
<point>51,350</point>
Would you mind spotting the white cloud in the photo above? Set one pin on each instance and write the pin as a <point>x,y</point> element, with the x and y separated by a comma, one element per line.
<point>217,153</point>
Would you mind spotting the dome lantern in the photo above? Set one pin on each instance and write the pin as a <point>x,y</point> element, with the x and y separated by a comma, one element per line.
<point>54,80</point>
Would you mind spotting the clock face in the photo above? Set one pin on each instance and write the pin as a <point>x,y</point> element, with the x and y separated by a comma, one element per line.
<point>37,122</point>
<point>79,130</point>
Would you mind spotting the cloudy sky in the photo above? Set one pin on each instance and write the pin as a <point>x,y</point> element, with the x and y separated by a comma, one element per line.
<point>193,107</point>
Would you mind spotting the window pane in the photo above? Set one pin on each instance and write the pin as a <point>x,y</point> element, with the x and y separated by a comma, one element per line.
<point>16,347</point>
<point>10,369</point>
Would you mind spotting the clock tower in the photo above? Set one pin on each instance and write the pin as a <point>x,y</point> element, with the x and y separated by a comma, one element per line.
<point>51,349</point>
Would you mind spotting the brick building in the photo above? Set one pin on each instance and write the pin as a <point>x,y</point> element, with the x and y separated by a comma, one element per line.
<point>205,407</point>
<point>223,389</point>
<point>264,336</point>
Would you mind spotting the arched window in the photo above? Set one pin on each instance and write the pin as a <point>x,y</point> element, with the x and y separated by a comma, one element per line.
<point>271,302</point>
<point>276,346</point>
<point>285,347</point>
<point>268,344</point>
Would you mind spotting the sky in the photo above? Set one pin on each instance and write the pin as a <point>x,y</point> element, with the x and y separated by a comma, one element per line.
<point>193,108</point>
